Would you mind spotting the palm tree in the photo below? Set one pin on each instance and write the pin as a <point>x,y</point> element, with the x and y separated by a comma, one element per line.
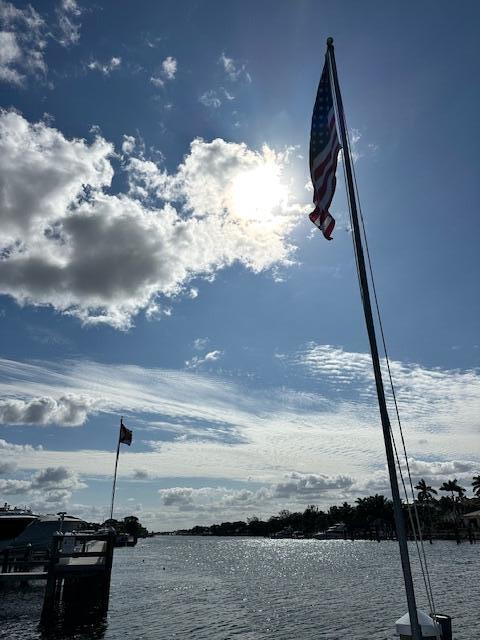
<point>425,491</point>
<point>453,487</point>
<point>373,510</point>
<point>425,498</point>
<point>476,486</point>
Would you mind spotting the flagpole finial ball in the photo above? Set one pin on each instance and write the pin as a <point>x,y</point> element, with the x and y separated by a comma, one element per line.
<point>329,41</point>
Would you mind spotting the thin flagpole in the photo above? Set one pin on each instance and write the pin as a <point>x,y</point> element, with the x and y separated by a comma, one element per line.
<point>397,503</point>
<point>115,474</point>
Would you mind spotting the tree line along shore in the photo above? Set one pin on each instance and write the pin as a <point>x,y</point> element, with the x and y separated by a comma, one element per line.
<point>451,516</point>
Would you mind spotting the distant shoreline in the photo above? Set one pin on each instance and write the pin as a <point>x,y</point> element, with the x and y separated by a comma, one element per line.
<point>437,538</point>
<point>370,518</point>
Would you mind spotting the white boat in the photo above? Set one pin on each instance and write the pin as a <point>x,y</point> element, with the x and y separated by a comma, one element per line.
<point>337,531</point>
<point>38,531</point>
<point>13,520</point>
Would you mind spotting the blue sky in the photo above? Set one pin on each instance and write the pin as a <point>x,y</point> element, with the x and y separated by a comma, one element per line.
<point>158,262</point>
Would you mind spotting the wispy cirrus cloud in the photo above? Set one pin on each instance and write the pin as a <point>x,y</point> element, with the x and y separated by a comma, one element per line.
<point>167,72</point>
<point>25,35</point>
<point>210,99</point>
<point>208,358</point>
<point>279,448</point>
<point>22,43</point>
<point>169,67</point>
<point>68,16</point>
<point>206,426</point>
<point>220,95</point>
<point>442,399</point>
<point>200,343</point>
<point>106,68</point>
<point>214,98</point>
<point>234,70</point>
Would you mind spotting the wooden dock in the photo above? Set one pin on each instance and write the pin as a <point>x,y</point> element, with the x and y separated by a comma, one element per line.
<point>79,572</point>
<point>22,576</point>
<point>22,564</point>
<point>76,568</point>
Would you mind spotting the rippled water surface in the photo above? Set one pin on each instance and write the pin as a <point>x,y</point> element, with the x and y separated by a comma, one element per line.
<point>254,589</point>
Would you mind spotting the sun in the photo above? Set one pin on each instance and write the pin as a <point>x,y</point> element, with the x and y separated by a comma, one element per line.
<point>258,193</point>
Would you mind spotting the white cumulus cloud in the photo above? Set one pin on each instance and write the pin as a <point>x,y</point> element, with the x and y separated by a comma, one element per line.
<point>42,174</point>
<point>128,144</point>
<point>68,411</point>
<point>312,485</point>
<point>104,257</point>
<point>178,496</point>
<point>50,488</point>
<point>6,467</point>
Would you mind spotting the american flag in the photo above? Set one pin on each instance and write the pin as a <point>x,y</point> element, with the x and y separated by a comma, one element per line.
<point>324,148</point>
<point>125,434</point>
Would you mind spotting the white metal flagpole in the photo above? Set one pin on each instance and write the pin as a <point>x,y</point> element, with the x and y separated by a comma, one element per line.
<point>397,503</point>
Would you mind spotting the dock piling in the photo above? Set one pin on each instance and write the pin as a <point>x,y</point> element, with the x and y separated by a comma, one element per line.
<point>78,575</point>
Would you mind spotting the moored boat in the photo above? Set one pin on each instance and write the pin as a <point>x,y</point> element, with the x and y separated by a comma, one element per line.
<point>14,520</point>
<point>39,531</point>
<point>337,531</point>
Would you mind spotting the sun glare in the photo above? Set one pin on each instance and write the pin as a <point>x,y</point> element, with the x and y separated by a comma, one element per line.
<point>258,193</point>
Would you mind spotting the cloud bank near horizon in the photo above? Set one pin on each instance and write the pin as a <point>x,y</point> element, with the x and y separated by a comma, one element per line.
<point>289,444</point>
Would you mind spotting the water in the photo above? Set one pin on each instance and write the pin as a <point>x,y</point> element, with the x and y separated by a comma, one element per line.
<point>256,589</point>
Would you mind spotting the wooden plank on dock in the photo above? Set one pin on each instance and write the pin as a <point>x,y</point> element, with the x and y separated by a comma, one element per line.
<point>15,576</point>
<point>67,570</point>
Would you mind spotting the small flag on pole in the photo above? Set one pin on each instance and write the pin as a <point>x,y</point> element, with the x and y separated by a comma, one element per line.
<point>125,434</point>
<point>324,148</point>
<point>124,437</point>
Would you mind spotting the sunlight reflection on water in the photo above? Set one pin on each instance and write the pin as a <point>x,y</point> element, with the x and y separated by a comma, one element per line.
<point>254,589</point>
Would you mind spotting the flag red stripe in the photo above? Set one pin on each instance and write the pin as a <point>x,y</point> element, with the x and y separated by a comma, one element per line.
<point>320,193</point>
<point>324,221</point>
<point>332,191</point>
<point>321,167</point>
<point>331,162</point>
<point>328,231</point>
<point>332,130</point>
